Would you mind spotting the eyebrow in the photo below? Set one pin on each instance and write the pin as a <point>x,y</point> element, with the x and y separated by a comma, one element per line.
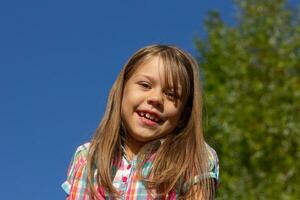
<point>145,76</point>
<point>152,79</point>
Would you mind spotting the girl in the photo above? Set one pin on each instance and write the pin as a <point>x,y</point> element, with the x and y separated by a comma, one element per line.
<point>149,144</point>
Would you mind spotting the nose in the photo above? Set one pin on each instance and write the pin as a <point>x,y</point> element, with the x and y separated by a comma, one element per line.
<point>155,99</point>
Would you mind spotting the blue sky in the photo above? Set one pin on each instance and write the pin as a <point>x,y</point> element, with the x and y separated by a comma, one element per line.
<point>58,60</point>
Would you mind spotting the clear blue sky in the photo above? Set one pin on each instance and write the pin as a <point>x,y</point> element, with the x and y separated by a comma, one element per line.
<point>58,60</point>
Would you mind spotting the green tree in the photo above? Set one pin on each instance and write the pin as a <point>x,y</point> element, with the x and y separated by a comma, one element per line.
<point>252,99</point>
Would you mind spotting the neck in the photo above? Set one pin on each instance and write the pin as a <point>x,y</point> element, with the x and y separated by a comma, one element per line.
<point>132,146</point>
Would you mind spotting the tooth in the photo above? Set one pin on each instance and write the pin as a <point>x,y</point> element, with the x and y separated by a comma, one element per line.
<point>151,117</point>
<point>147,115</point>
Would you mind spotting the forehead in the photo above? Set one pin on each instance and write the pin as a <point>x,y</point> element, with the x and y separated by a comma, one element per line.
<point>155,68</point>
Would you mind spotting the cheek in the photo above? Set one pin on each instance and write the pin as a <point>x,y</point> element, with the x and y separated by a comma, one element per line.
<point>131,98</point>
<point>174,113</point>
<point>125,101</point>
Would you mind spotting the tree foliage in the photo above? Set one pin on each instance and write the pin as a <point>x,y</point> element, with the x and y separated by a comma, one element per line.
<point>252,99</point>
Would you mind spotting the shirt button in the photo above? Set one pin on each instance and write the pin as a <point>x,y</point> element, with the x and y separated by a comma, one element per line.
<point>124,179</point>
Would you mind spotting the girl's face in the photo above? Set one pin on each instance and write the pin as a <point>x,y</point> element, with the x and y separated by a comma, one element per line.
<point>149,109</point>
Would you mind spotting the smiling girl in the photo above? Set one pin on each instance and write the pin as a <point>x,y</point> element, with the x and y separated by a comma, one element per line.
<point>149,144</point>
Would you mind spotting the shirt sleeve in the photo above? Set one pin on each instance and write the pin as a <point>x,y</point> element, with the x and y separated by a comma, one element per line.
<point>213,160</point>
<point>212,172</point>
<point>75,184</point>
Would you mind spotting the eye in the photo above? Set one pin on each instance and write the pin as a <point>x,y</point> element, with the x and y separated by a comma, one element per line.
<point>171,95</point>
<point>144,84</point>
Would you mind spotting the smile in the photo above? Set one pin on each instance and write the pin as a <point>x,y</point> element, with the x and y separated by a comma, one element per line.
<point>150,116</point>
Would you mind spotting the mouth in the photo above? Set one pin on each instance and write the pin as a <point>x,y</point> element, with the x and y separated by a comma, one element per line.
<point>150,116</point>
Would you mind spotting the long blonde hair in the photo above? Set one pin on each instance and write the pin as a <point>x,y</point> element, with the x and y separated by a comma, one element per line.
<point>181,156</point>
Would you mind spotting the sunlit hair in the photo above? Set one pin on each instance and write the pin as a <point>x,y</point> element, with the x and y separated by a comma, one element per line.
<point>181,156</point>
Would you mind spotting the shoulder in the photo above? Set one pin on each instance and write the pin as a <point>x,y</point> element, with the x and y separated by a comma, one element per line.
<point>82,150</point>
<point>76,175</point>
<point>213,162</point>
<point>212,172</point>
<point>80,155</point>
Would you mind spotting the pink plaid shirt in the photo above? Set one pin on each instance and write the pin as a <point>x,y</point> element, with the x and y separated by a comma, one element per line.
<point>125,180</point>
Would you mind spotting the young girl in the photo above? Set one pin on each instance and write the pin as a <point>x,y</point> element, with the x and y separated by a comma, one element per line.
<point>149,144</point>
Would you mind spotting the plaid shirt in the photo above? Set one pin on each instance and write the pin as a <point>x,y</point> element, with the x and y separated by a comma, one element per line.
<point>125,180</point>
